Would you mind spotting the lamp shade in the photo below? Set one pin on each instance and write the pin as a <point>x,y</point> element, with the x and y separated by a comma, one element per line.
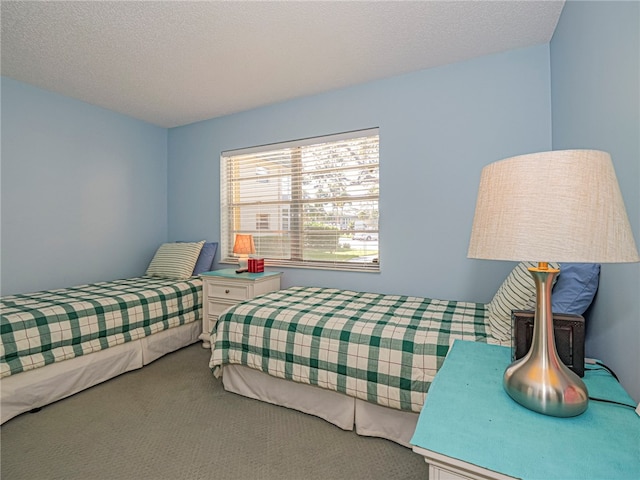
<point>558,206</point>
<point>244,245</point>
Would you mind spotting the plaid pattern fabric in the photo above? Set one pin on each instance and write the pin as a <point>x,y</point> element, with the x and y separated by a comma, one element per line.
<point>385,349</point>
<point>50,326</point>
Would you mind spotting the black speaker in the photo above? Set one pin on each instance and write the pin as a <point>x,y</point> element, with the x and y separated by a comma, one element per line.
<point>568,332</point>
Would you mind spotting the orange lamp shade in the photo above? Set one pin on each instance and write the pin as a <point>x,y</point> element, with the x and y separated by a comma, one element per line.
<point>244,245</point>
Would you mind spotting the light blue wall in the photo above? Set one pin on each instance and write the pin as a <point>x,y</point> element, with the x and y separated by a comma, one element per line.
<point>84,191</point>
<point>595,83</point>
<point>438,128</point>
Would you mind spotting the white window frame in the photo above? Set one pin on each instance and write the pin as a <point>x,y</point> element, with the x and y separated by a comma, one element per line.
<point>245,174</point>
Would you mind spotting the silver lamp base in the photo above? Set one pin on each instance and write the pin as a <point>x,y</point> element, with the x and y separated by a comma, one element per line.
<point>540,381</point>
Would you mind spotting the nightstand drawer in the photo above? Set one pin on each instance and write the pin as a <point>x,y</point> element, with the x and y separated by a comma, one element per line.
<point>216,307</point>
<point>232,292</point>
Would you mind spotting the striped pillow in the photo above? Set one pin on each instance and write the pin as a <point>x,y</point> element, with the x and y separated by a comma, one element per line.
<point>517,292</point>
<point>175,260</point>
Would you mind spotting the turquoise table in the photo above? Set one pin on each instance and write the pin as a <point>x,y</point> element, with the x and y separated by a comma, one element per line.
<point>231,273</point>
<point>469,422</point>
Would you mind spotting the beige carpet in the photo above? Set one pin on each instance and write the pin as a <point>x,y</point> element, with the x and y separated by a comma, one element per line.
<point>173,420</point>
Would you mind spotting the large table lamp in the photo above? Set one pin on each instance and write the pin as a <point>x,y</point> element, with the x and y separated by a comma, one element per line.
<point>243,247</point>
<point>558,206</point>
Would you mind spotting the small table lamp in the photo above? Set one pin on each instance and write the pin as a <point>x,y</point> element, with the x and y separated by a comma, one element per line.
<point>560,206</point>
<point>244,247</point>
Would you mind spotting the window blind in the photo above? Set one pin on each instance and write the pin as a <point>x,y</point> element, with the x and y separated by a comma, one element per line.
<point>309,203</point>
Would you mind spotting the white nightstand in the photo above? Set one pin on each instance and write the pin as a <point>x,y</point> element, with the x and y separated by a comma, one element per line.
<point>222,289</point>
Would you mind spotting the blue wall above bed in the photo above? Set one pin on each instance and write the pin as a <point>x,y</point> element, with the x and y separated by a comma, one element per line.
<point>84,191</point>
<point>438,128</point>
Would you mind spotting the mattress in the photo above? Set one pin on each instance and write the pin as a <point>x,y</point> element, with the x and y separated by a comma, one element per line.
<point>43,328</point>
<point>382,349</point>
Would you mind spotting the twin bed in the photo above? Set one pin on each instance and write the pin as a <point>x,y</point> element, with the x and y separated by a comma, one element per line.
<point>358,360</point>
<point>352,358</point>
<point>56,343</point>
<point>59,342</point>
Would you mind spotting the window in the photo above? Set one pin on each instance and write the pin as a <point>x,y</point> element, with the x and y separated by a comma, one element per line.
<point>311,203</point>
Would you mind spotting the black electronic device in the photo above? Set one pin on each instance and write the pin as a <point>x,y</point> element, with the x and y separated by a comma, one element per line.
<point>568,333</point>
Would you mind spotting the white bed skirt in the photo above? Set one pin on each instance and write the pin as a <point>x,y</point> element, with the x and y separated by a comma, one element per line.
<point>35,388</point>
<point>336,408</point>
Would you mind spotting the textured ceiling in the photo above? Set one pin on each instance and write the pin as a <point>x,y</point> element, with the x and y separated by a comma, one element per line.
<point>172,63</point>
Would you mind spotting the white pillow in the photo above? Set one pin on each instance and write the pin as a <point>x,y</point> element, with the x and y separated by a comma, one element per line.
<point>175,260</point>
<point>517,292</point>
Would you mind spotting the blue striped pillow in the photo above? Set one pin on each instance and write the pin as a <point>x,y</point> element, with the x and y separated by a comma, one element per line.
<point>175,260</point>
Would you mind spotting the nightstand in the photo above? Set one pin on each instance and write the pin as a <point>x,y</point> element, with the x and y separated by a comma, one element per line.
<point>222,289</point>
<point>469,427</point>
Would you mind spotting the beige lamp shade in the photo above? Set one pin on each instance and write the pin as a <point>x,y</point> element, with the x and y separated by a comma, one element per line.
<point>244,245</point>
<point>559,206</point>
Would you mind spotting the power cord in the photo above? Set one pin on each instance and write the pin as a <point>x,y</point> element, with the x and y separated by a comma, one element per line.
<point>592,361</point>
<point>633,407</point>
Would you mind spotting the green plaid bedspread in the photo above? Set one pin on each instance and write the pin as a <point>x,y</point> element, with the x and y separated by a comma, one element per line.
<point>41,328</point>
<point>384,349</point>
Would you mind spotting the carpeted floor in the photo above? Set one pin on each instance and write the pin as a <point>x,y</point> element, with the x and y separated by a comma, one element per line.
<point>173,420</point>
